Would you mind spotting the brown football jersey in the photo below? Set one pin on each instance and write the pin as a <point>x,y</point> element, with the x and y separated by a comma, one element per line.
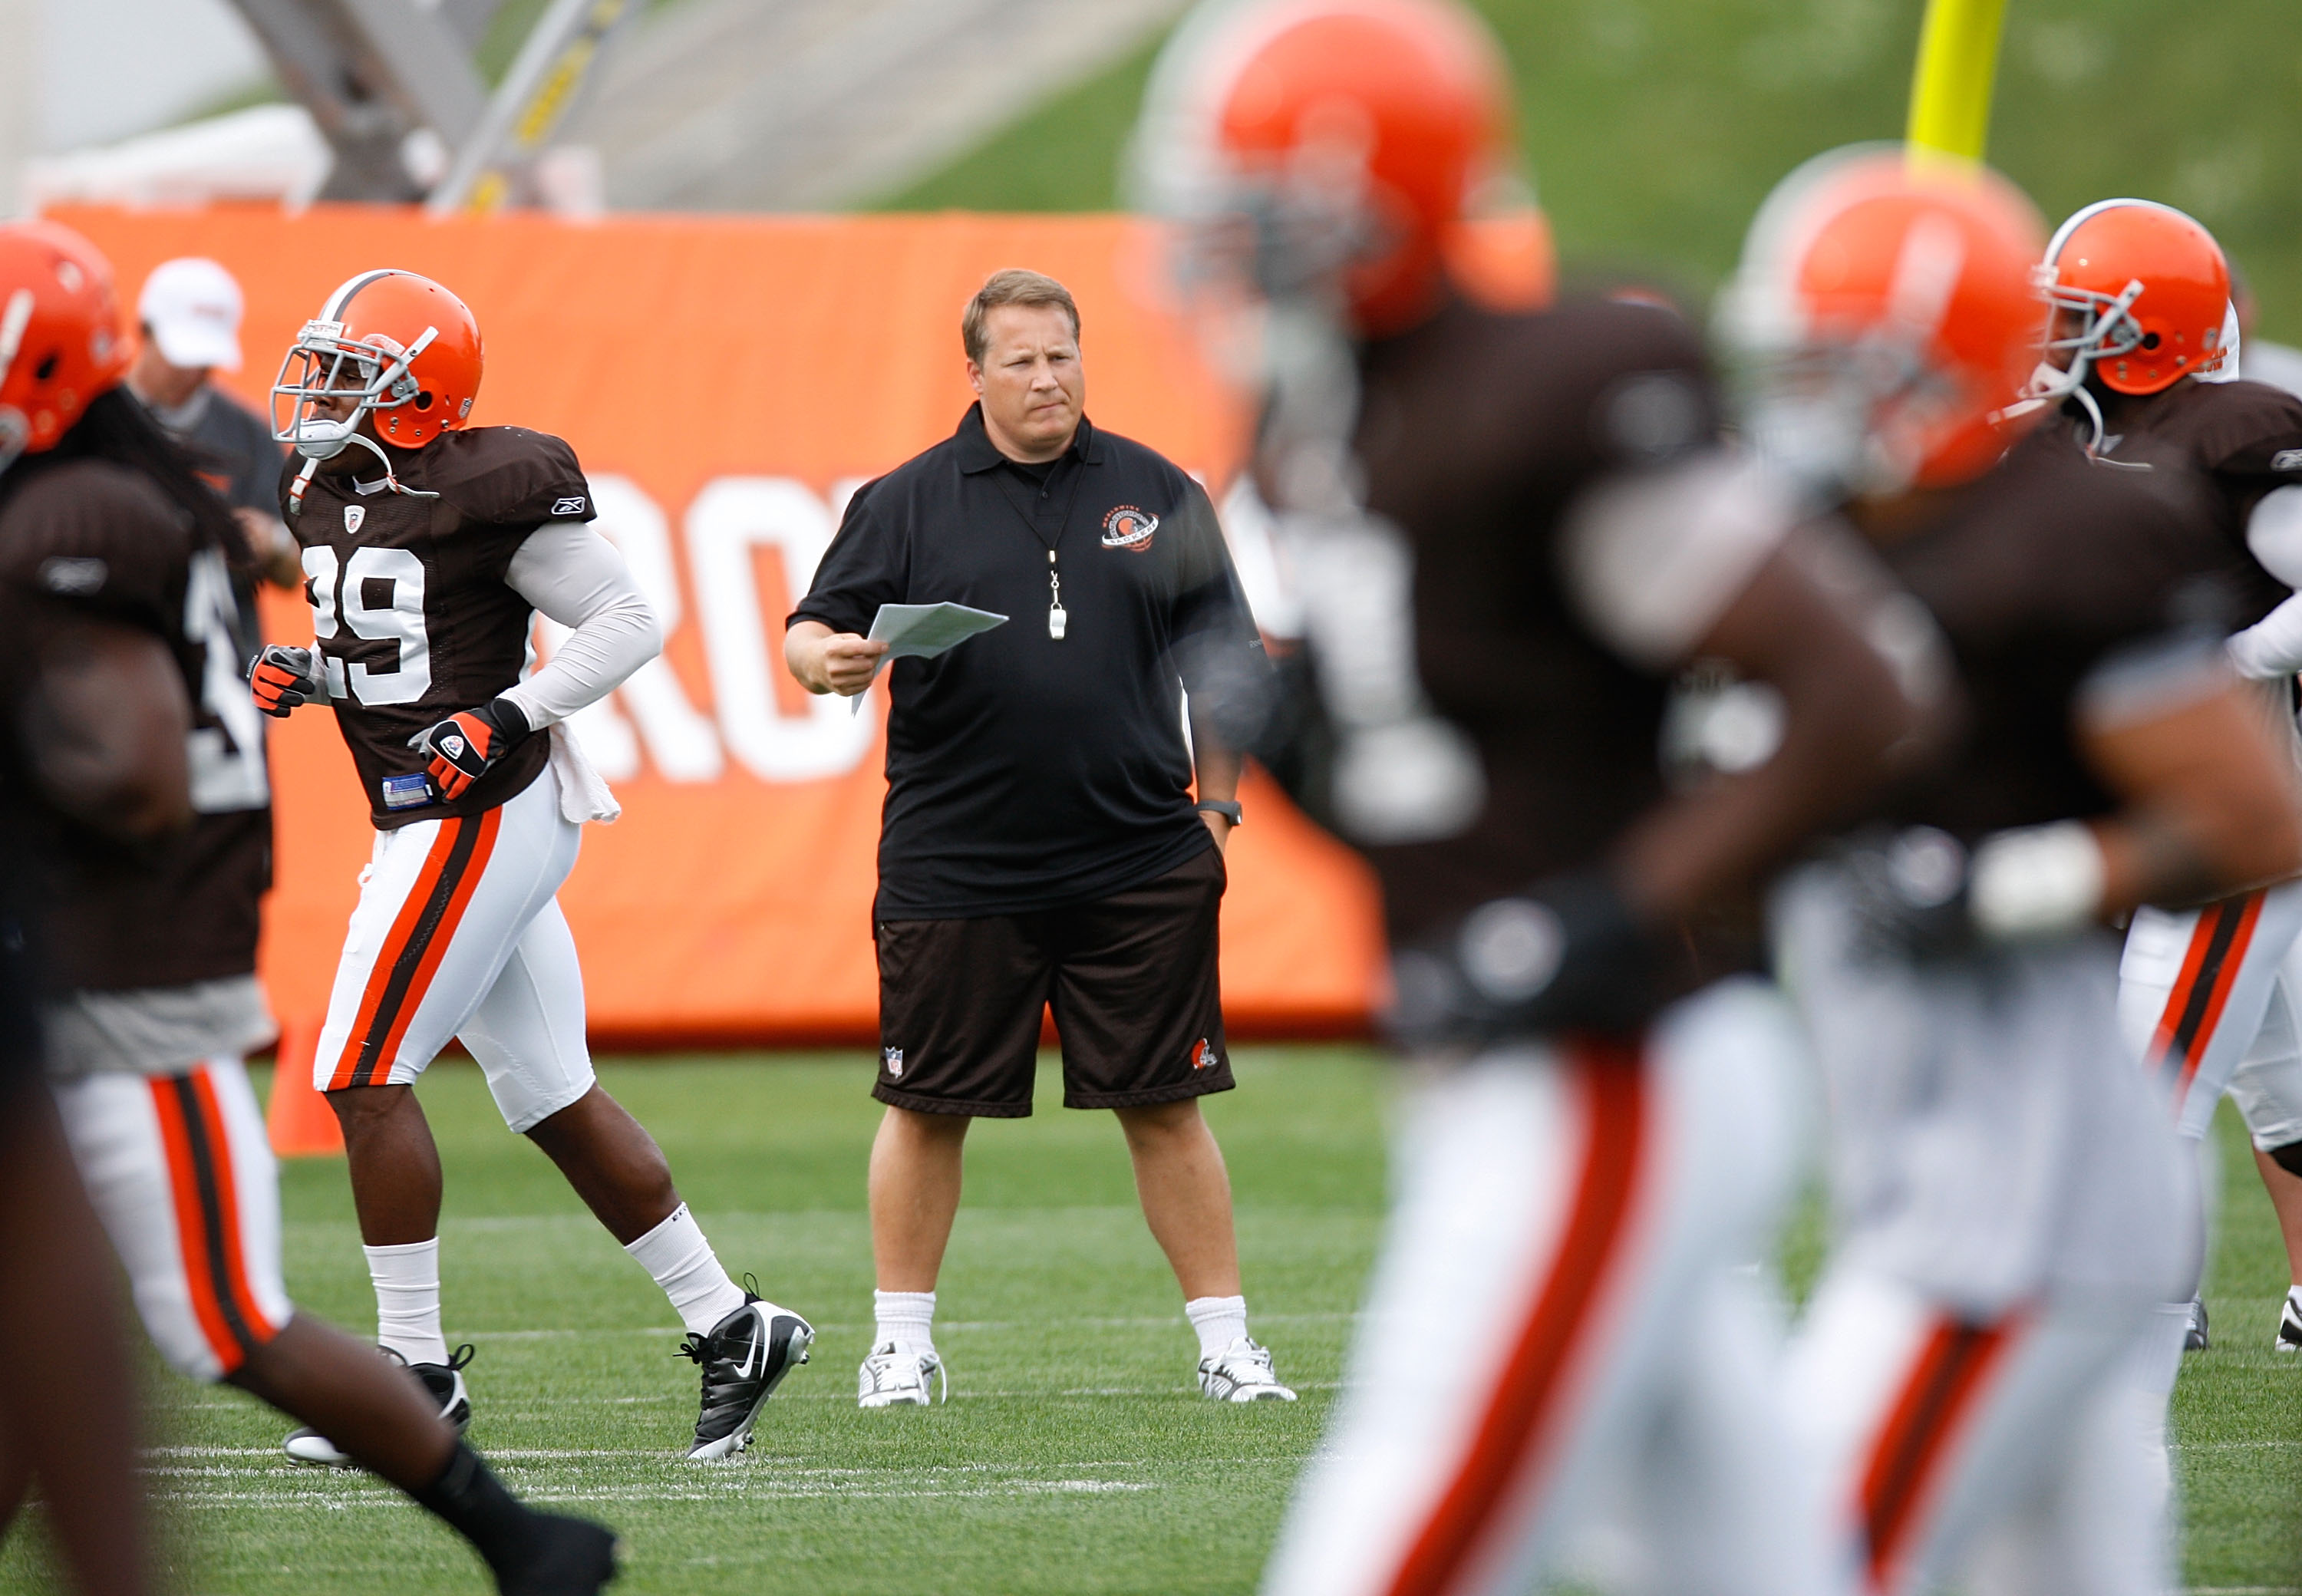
<point>1477,433</point>
<point>2041,573</point>
<point>414,617</point>
<point>2244,440</point>
<point>104,537</point>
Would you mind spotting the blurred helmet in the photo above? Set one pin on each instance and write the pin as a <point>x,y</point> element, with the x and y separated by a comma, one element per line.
<point>60,343</point>
<point>1885,316</point>
<point>1332,148</point>
<point>2151,292</point>
<point>400,345</point>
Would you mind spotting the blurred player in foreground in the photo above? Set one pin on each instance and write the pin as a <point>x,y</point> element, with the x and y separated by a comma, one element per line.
<point>426,579</point>
<point>1508,530</point>
<point>2010,1197</point>
<point>100,509</point>
<point>2141,357</point>
<point>92,718</point>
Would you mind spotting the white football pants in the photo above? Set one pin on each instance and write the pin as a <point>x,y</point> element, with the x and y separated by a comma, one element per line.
<point>179,1169</point>
<point>2207,994</point>
<point>1559,1336</point>
<point>1999,1453</point>
<point>457,933</point>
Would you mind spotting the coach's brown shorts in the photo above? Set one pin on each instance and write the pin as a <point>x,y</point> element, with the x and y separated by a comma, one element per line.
<point>1131,978</point>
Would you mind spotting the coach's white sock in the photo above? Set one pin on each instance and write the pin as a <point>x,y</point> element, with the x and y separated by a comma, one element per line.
<point>407,1299</point>
<point>679,1259</point>
<point>1219,1320</point>
<point>905,1316</point>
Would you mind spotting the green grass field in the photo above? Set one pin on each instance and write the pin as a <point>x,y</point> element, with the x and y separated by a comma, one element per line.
<point>1074,1456</point>
<point>1653,128</point>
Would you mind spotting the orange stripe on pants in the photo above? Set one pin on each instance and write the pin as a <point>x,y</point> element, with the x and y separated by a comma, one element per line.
<point>2210,968</point>
<point>208,1232</point>
<point>1527,1401</point>
<point>423,929</point>
<point>1907,1459</point>
<point>234,1261</point>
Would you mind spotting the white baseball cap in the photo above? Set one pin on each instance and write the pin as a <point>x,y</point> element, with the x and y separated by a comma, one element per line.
<point>192,306</point>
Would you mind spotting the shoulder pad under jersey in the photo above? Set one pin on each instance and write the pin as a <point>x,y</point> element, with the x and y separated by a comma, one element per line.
<point>508,476</point>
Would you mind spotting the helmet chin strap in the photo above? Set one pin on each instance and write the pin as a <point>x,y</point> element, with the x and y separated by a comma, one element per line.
<point>312,465</point>
<point>390,480</point>
<point>2050,385</point>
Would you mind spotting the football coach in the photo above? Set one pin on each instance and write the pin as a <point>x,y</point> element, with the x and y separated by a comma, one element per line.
<point>1040,846</point>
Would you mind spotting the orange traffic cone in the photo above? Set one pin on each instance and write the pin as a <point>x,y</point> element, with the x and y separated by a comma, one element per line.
<point>301,1123</point>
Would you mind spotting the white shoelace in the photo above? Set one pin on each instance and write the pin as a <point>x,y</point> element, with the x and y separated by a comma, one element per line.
<point>892,1368</point>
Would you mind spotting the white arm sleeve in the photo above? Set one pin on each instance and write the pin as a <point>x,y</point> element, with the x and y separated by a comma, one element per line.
<point>2271,647</point>
<point>576,576</point>
<point>1654,560</point>
<point>2273,533</point>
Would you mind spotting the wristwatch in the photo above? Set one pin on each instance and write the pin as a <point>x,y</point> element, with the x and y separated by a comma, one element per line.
<point>1216,806</point>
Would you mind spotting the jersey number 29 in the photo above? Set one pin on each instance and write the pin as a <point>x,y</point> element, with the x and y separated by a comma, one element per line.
<point>377,595</point>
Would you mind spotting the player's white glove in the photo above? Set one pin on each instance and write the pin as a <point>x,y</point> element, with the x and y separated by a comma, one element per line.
<point>1922,893</point>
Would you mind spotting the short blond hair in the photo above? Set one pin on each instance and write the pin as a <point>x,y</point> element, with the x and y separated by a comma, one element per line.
<point>1013,286</point>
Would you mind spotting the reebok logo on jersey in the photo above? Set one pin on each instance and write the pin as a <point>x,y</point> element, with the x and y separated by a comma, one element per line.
<point>1128,528</point>
<point>892,1060</point>
<point>2287,459</point>
<point>1203,1056</point>
<point>570,506</point>
<point>353,514</point>
<point>78,577</point>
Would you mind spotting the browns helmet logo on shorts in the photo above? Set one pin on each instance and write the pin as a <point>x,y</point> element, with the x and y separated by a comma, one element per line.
<point>1204,1057</point>
<point>1129,528</point>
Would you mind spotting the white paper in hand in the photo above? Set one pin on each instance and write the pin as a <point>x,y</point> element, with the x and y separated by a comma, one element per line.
<point>923,631</point>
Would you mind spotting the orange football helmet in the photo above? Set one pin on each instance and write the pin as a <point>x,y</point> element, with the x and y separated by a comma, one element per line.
<point>1334,149</point>
<point>1887,317</point>
<point>60,343</point>
<point>397,345</point>
<point>2151,292</point>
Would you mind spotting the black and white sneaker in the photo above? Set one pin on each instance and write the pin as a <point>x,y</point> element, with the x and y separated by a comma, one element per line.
<point>445,1382</point>
<point>2290,1327</point>
<point>744,1358</point>
<point>1241,1372</point>
<point>2195,1338</point>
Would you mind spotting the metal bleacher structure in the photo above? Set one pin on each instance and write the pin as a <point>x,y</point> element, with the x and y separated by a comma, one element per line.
<point>681,104</point>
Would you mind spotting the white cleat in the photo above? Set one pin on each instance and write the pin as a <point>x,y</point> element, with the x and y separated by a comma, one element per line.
<point>896,1376</point>
<point>2289,1328</point>
<point>1243,1374</point>
<point>444,1382</point>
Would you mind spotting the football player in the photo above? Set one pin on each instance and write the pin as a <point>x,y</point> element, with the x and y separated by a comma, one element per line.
<point>1508,530</point>
<point>2009,1196</point>
<point>157,999</point>
<point>93,719</point>
<point>2144,356</point>
<point>429,549</point>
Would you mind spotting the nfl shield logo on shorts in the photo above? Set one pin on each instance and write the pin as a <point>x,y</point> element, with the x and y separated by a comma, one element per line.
<point>891,1059</point>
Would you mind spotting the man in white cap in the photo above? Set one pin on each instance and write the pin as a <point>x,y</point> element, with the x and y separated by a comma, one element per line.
<point>191,310</point>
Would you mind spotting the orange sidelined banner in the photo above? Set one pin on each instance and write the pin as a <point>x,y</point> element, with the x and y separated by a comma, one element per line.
<point>727,382</point>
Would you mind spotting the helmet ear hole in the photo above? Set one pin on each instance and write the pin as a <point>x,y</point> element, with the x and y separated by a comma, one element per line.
<point>47,366</point>
<point>2150,341</point>
<point>423,399</point>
